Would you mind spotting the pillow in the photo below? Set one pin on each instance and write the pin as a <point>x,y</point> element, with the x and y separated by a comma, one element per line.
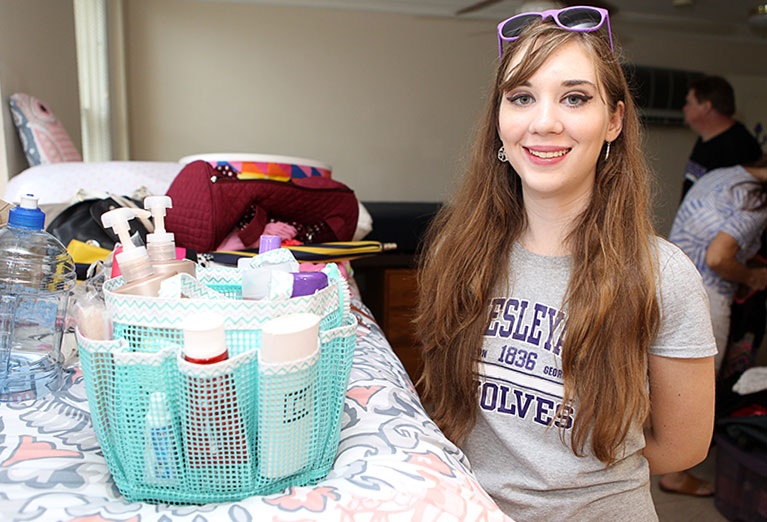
<point>61,182</point>
<point>261,166</point>
<point>364,223</point>
<point>43,138</point>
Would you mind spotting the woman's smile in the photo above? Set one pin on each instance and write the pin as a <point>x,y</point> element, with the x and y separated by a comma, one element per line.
<point>547,155</point>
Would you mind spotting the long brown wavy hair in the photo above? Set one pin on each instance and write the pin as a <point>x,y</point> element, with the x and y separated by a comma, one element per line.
<point>612,308</point>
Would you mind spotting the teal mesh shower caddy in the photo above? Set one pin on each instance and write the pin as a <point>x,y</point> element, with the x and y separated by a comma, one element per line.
<point>177,432</point>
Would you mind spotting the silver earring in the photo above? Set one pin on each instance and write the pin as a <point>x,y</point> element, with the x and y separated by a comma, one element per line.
<point>607,152</point>
<point>502,154</point>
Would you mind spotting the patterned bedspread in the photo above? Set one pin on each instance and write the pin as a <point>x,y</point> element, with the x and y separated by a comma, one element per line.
<point>392,463</point>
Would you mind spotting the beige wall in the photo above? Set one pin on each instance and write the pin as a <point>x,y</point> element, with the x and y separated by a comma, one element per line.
<point>389,100</point>
<point>37,56</point>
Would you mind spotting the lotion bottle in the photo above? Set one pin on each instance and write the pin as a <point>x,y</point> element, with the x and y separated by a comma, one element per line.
<point>215,435</point>
<point>284,285</point>
<point>134,262</point>
<point>161,244</point>
<point>288,366</point>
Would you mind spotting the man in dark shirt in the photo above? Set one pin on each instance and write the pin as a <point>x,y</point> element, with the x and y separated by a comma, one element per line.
<point>722,141</point>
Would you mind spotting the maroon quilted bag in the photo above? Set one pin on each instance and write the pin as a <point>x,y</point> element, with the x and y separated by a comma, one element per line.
<point>207,206</point>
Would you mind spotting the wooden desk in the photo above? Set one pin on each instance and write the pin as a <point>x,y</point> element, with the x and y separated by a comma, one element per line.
<point>388,287</point>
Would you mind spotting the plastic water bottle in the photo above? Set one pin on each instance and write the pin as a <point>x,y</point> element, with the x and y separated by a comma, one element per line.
<point>36,276</point>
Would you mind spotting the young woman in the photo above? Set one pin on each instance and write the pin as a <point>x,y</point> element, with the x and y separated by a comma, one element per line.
<point>568,350</point>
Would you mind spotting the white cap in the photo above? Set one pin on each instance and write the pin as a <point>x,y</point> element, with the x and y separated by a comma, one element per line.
<point>160,242</point>
<point>133,260</point>
<point>158,416</point>
<point>204,336</point>
<point>290,338</point>
<point>157,205</point>
<point>29,201</point>
<point>134,264</point>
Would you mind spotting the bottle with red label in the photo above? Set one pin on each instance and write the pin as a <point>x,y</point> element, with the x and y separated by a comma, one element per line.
<point>215,434</point>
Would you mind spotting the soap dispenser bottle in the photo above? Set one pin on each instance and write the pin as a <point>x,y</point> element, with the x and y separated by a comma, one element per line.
<point>134,262</point>
<point>161,245</point>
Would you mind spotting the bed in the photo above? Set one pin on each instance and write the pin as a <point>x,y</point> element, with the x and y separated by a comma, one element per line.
<point>392,462</point>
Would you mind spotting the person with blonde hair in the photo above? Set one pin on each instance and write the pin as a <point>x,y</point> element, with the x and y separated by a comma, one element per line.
<point>567,349</point>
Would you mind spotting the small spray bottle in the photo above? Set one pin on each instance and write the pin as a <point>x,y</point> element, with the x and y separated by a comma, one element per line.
<point>134,262</point>
<point>162,445</point>
<point>161,245</point>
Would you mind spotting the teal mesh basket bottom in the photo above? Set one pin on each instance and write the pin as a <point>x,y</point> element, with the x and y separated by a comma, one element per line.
<point>177,432</point>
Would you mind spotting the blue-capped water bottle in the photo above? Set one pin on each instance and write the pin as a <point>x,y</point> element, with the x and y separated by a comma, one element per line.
<point>36,277</point>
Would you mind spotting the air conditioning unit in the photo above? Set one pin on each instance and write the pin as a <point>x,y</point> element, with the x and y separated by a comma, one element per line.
<point>659,93</point>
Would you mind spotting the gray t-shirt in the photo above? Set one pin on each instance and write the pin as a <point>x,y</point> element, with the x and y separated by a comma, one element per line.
<point>521,461</point>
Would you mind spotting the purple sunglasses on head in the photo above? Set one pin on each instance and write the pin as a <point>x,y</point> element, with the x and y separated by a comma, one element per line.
<point>580,19</point>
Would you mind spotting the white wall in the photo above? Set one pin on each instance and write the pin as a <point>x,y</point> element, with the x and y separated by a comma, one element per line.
<point>389,100</point>
<point>38,57</point>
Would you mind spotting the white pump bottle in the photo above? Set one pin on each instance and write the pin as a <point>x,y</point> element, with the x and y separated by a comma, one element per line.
<point>134,262</point>
<point>161,245</point>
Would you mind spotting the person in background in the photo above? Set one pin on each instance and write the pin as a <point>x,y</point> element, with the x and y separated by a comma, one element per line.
<point>722,141</point>
<point>719,225</point>
<point>567,348</point>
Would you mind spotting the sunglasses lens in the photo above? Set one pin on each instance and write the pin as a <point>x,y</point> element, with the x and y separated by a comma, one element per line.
<point>580,18</point>
<point>516,25</point>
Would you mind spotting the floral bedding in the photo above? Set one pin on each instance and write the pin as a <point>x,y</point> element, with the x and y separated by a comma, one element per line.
<point>392,463</point>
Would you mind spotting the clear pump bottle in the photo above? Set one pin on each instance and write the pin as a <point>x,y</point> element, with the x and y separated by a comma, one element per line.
<point>161,244</point>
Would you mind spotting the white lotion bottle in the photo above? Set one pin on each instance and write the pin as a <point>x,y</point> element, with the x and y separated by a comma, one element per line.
<point>134,262</point>
<point>161,244</point>
<point>288,366</point>
<point>256,275</point>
